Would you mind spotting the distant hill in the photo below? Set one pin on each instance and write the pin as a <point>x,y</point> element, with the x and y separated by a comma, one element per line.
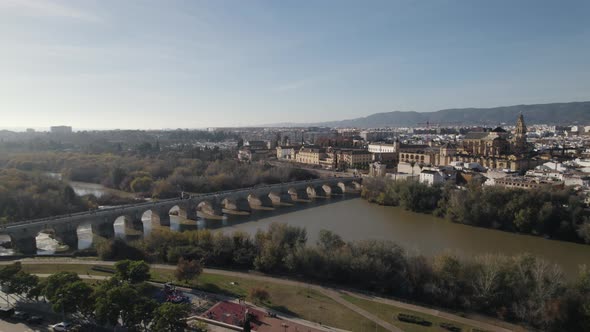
<point>555,113</point>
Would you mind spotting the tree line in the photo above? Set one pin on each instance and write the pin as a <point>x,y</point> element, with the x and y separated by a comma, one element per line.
<point>33,195</point>
<point>555,213</point>
<point>163,175</point>
<point>126,298</point>
<point>520,288</point>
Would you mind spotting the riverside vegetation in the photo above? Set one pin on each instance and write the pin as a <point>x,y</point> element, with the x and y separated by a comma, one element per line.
<point>27,193</point>
<point>555,213</point>
<point>521,288</point>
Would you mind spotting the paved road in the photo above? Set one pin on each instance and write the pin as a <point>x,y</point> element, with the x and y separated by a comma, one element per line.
<point>334,294</point>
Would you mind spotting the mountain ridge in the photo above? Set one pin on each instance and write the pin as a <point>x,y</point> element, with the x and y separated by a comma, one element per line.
<point>551,113</point>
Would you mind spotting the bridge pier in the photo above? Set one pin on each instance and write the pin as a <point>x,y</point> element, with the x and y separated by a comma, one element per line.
<point>26,245</point>
<point>69,237</point>
<point>133,227</point>
<point>191,214</point>
<point>164,219</point>
<point>106,230</point>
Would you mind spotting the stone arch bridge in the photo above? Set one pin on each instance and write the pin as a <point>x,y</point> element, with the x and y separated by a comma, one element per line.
<point>211,205</point>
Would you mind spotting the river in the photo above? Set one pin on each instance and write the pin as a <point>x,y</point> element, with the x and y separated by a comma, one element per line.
<point>356,219</point>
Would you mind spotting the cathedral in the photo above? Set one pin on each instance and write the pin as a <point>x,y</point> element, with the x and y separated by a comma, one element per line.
<point>493,149</point>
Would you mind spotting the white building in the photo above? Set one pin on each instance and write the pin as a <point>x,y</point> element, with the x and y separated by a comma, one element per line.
<point>382,148</point>
<point>432,176</point>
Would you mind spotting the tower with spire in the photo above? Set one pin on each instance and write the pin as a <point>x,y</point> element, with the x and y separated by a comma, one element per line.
<point>519,139</point>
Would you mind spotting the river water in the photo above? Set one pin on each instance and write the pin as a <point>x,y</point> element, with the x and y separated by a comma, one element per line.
<point>356,219</point>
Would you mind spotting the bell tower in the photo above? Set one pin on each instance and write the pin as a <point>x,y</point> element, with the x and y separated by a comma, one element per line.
<point>519,139</point>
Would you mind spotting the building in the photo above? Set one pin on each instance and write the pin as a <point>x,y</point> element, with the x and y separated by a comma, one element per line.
<point>382,147</point>
<point>60,130</point>
<point>310,155</point>
<point>288,152</point>
<point>353,158</point>
<point>375,135</point>
<point>377,169</point>
<point>522,182</point>
<point>432,176</point>
<point>493,149</point>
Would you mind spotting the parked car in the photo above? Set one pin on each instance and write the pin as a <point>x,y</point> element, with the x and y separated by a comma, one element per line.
<point>35,320</point>
<point>20,315</point>
<point>62,327</point>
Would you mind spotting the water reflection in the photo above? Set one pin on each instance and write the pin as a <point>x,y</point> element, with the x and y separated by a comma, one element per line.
<point>5,241</point>
<point>47,244</point>
<point>85,236</point>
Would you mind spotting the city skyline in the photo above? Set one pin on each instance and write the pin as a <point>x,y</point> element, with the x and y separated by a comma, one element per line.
<point>209,64</point>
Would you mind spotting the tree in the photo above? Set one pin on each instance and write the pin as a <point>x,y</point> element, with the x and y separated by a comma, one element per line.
<point>141,184</point>
<point>329,241</point>
<point>15,281</point>
<point>68,293</point>
<point>132,271</point>
<point>171,317</point>
<point>259,295</point>
<point>124,301</point>
<point>188,269</point>
<point>75,297</point>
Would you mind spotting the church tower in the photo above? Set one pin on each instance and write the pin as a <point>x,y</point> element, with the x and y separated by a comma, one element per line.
<point>519,139</point>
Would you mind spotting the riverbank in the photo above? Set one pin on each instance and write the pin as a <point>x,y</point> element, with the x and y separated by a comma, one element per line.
<point>549,213</point>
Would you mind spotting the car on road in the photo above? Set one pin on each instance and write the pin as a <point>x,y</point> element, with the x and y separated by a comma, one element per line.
<point>62,327</point>
<point>20,315</point>
<point>35,320</point>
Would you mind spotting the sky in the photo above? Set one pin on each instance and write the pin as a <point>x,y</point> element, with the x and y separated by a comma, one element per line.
<point>99,64</point>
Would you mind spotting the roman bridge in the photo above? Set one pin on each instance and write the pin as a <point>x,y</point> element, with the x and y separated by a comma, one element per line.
<point>211,205</point>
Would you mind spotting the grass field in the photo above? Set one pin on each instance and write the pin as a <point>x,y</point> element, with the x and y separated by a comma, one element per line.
<point>296,301</point>
<point>54,268</point>
<point>389,313</point>
<point>300,302</point>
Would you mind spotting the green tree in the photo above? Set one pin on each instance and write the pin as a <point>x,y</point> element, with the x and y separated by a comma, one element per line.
<point>132,271</point>
<point>170,317</point>
<point>329,241</point>
<point>123,301</point>
<point>68,293</point>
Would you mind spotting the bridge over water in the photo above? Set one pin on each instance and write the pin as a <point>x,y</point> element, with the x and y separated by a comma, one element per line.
<point>211,205</point>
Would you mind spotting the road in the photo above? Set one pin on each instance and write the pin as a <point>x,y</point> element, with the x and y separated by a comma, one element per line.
<point>334,294</point>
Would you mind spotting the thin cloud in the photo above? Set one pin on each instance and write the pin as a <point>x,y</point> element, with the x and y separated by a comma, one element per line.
<point>45,8</point>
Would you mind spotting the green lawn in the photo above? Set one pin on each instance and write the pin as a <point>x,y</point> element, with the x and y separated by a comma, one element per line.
<point>389,313</point>
<point>54,268</point>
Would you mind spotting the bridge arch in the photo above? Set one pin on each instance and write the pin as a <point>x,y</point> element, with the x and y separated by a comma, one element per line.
<point>257,201</point>
<point>85,235</point>
<point>177,210</point>
<point>128,225</point>
<point>48,241</point>
<point>327,190</point>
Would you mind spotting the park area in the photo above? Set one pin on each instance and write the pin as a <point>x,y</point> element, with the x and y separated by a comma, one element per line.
<point>276,305</point>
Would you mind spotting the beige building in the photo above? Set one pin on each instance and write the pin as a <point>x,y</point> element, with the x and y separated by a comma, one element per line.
<point>310,155</point>
<point>351,158</point>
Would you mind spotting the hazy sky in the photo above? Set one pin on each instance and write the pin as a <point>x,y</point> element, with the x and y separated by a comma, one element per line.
<point>193,64</point>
